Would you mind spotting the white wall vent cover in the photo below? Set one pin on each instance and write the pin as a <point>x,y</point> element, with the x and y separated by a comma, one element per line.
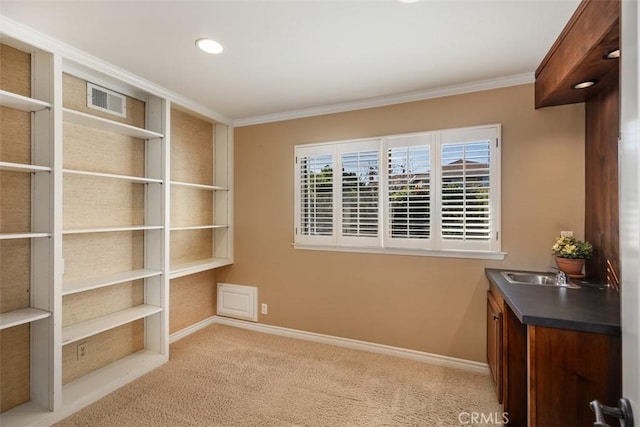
<point>237,301</point>
<point>106,100</point>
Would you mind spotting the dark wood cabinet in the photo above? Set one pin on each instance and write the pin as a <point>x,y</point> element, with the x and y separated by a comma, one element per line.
<point>511,361</point>
<point>567,370</point>
<point>547,376</point>
<point>494,342</point>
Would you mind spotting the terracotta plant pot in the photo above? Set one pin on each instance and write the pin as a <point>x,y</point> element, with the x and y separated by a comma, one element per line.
<point>572,267</point>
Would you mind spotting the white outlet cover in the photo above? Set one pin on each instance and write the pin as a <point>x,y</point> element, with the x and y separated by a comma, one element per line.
<point>566,234</point>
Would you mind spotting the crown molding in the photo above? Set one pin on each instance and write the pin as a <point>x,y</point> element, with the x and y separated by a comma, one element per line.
<point>31,37</point>
<point>477,86</point>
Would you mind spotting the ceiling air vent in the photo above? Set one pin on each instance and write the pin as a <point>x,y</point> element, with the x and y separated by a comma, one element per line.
<point>106,100</point>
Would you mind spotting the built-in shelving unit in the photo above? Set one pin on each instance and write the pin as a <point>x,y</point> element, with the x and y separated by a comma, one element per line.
<point>27,230</point>
<point>200,194</point>
<point>88,241</point>
<point>113,231</point>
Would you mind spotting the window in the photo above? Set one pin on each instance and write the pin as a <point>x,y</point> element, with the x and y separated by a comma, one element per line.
<point>429,193</point>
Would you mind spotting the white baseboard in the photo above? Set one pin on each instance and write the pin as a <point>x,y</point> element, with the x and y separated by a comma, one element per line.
<point>191,329</point>
<point>420,356</point>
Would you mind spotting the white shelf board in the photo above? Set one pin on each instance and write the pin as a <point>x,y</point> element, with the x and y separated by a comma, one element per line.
<point>21,167</point>
<point>22,103</point>
<point>97,384</point>
<point>111,229</point>
<point>85,119</point>
<point>199,227</point>
<point>27,414</point>
<point>193,267</point>
<point>82,285</point>
<point>10,236</point>
<point>19,317</point>
<point>135,179</point>
<point>199,186</point>
<point>82,330</point>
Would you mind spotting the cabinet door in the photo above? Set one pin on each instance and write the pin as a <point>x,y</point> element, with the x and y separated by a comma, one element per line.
<point>494,342</point>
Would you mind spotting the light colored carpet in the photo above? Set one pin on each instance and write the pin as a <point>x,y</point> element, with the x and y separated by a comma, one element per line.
<point>224,376</point>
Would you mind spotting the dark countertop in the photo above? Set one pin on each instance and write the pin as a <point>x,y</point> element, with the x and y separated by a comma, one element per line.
<point>588,309</point>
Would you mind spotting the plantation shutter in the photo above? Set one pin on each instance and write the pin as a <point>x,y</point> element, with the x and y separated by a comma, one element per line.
<point>409,178</point>
<point>425,193</point>
<point>360,183</point>
<point>315,204</point>
<point>467,189</point>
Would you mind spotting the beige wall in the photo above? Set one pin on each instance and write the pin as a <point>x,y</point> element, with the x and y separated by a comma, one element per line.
<point>436,305</point>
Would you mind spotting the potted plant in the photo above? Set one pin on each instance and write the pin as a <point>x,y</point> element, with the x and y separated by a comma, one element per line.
<point>570,255</point>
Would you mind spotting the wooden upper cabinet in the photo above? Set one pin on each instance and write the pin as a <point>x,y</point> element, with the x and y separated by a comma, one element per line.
<point>579,54</point>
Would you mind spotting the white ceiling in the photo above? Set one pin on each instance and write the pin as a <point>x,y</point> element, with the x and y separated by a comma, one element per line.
<point>293,56</point>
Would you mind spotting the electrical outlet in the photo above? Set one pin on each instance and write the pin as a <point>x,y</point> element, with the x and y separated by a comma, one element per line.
<point>264,309</point>
<point>566,234</point>
<point>83,350</point>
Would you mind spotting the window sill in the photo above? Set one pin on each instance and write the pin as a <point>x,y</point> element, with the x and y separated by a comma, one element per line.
<point>493,256</point>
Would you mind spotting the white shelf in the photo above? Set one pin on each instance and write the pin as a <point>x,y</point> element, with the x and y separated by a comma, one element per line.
<point>22,103</point>
<point>82,285</point>
<point>21,167</point>
<point>97,384</point>
<point>27,414</point>
<point>19,317</point>
<point>199,227</point>
<point>134,179</point>
<point>11,236</point>
<point>199,186</point>
<point>111,229</point>
<point>84,119</point>
<point>193,267</point>
<point>82,330</point>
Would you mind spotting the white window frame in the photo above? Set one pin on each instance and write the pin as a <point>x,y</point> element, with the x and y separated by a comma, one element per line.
<point>384,243</point>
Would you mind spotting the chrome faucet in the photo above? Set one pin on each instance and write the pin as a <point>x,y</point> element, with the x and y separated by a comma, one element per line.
<point>561,278</point>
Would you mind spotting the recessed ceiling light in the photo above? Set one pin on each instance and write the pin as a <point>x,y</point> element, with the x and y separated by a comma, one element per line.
<point>408,1</point>
<point>585,84</point>
<point>614,54</point>
<point>209,46</point>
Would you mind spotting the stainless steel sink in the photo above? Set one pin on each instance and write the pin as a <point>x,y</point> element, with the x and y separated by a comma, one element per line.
<point>539,279</point>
